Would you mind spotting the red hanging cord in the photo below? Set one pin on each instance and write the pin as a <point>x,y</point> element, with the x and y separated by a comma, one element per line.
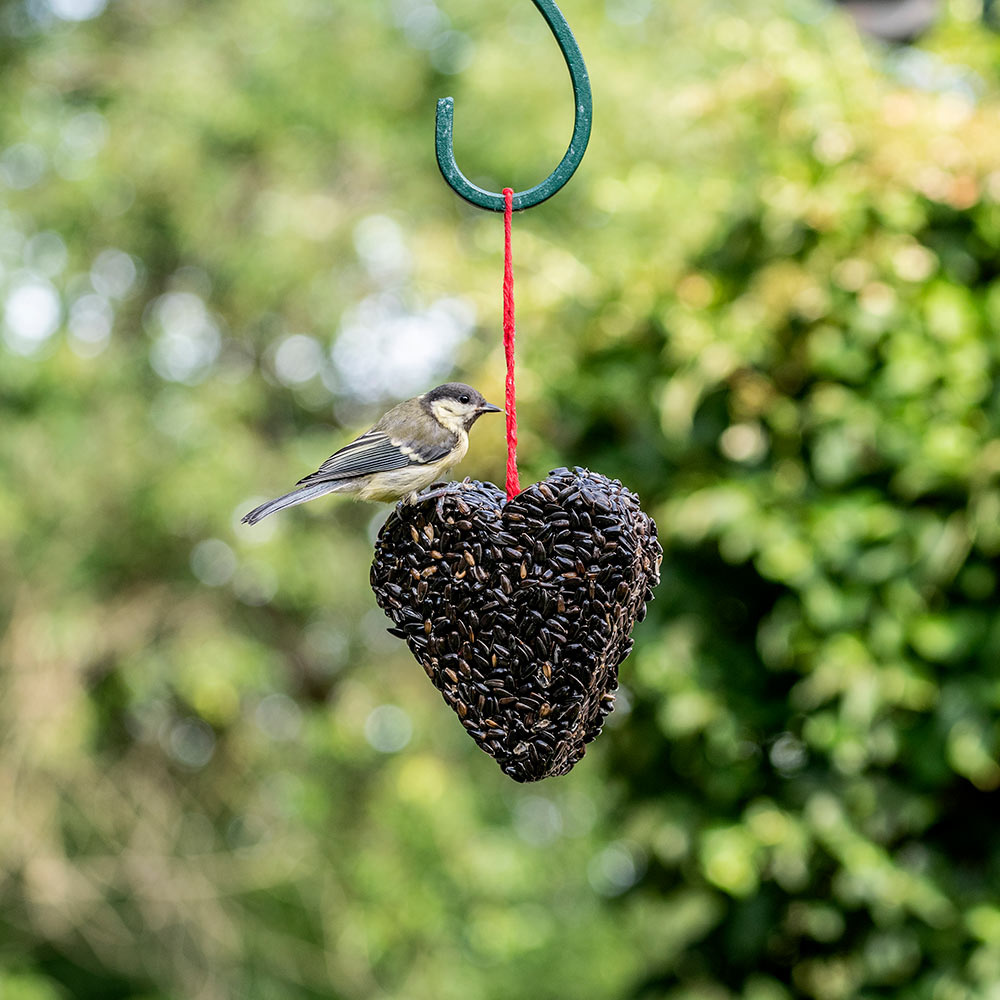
<point>513,486</point>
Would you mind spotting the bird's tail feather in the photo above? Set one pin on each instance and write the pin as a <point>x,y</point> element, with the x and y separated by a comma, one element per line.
<point>300,495</point>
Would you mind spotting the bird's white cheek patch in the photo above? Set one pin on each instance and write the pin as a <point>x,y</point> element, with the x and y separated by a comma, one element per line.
<point>447,417</point>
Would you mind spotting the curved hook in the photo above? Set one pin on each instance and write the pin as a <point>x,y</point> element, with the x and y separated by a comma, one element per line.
<point>444,129</point>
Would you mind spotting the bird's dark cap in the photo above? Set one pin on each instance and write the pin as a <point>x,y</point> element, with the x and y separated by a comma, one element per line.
<point>455,390</point>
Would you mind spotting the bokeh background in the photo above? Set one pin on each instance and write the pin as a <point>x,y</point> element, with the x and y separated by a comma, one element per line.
<point>768,302</point>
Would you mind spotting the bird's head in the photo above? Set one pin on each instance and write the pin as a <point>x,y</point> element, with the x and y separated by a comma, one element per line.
<point>456,405</point>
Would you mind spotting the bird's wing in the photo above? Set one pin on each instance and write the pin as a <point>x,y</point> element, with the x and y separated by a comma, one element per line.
<point>376,451</point>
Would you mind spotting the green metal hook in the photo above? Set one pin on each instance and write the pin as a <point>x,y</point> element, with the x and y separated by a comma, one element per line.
<point>444,129</point>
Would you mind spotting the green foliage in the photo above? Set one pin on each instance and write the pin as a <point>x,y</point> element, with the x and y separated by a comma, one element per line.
<point>768,302</point>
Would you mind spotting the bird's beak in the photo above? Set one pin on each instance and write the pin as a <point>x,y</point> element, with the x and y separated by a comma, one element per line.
<point>489,408</point>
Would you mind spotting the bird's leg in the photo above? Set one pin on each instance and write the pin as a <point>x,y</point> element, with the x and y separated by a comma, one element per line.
<point>431,494</point>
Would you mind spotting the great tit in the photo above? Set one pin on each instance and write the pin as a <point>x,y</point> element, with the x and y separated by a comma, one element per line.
<point>410,447</point>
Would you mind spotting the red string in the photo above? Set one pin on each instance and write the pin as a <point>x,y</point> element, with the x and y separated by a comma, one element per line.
<point>513,486</point>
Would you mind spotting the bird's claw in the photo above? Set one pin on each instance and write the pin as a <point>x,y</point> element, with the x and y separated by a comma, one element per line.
<point>432,494</point>
<point>439,492</point>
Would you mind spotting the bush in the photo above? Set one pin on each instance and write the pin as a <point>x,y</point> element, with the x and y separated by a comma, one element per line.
<point>767,303</point>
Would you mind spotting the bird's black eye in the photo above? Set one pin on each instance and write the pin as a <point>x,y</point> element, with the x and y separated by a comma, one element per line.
<point>463,399</point>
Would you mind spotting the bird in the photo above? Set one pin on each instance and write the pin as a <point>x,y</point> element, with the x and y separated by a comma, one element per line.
<point>413,444</point>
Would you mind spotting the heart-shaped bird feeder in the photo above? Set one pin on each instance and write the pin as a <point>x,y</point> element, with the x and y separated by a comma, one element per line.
<point>520,610</point>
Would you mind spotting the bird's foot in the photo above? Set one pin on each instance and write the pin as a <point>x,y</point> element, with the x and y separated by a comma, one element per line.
<point>431,494</point>
<point>437,492</point>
